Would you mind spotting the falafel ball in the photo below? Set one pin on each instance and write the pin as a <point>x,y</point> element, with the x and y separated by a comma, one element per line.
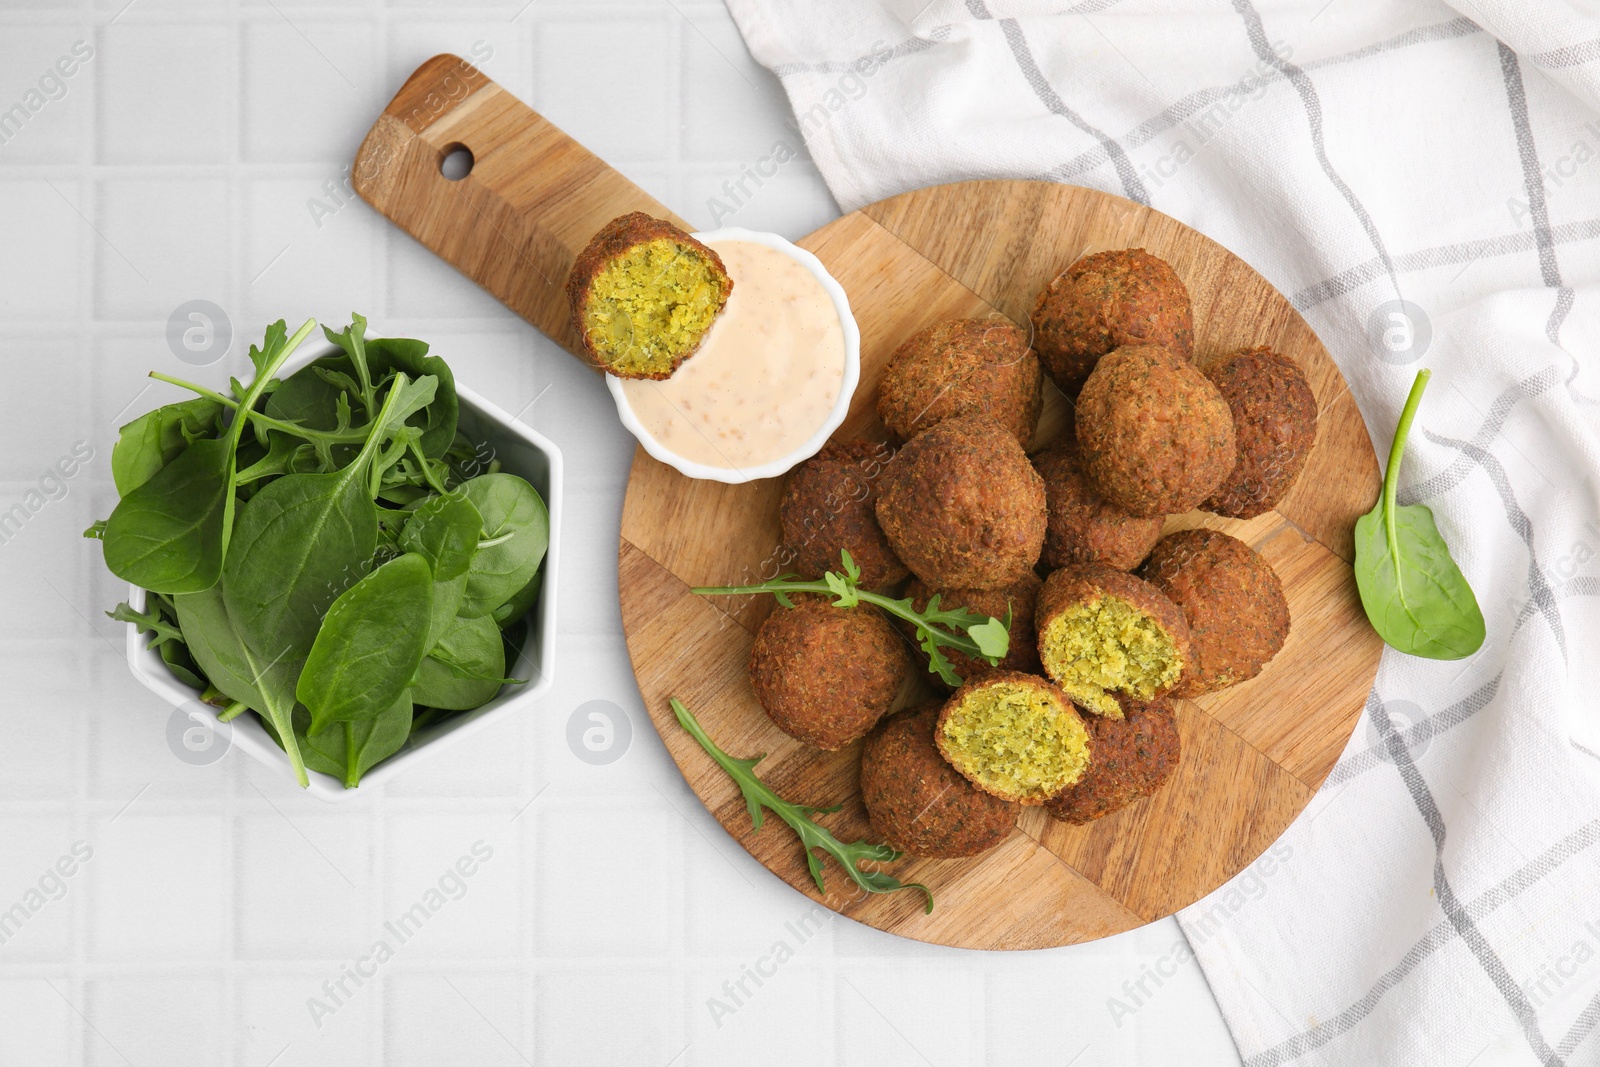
<point>1104,632</point>
<point>1156,436</point>
<point>1104,301</point>
<point>1274,425</point>
<point>1014,736</point>
<point>1019,598</point>
<point>829,505</point>
<point>917,802</point>
<point>825,675</point>
<point>962,506</point>
<point>963,367</point>
<point>1232,600</point>
<point>1133,757</point>
<point>642,294</point>
<point>1083,526</point>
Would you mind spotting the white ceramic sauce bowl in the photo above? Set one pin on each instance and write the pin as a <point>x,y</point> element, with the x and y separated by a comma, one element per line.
<point>841,407</point>
<point>521,451</point>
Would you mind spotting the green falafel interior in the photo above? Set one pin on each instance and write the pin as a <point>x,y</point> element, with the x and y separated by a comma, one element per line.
<point>1108,644</point>
<point>1014,739</point>
<point>651,305</point>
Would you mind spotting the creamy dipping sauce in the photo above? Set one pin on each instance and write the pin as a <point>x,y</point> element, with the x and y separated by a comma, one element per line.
<point>765,378</point>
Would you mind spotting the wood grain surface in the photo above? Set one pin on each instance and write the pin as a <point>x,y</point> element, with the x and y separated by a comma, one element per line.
<point>1253,755</point>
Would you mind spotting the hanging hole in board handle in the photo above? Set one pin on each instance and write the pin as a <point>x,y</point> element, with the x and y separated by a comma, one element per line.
<point>456,163</point>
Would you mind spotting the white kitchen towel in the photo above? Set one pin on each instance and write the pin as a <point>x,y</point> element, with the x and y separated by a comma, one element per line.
<point>1424,182</point>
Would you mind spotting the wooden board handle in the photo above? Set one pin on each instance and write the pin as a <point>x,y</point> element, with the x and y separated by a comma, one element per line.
<point>531,201</point>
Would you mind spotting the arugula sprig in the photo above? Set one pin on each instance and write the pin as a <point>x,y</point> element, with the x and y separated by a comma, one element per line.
<point>970,632</point>
<point>758,795</point>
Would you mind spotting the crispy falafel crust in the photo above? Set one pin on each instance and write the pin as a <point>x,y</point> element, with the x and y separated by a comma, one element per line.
<point>1275,428</point>
<point>1233,602</point>
<point>917,802</point>
<point>1090,583</point>
<point>613,240</point>
<point>1083,526</point>
<point>1133,757</point>
<point>1074,753</point>
<point>1156,436</point>
<point>1020,598</point>
<point>829,504</point>
<point>1104,301</point>
<point>825,675</point>
<point>963,367</point>
<point>962,506</point>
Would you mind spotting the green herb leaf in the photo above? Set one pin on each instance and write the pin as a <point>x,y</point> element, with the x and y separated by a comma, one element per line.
<point>1414,594</point>
<point>444,530</point>
<point>961,629</point>
<point>466,668</point>
<point>355,748</point>
<point>157,437</point>
<point>758,795</point>
<point>507,505</point>
<point>171,533</point>
<point>369,646</point>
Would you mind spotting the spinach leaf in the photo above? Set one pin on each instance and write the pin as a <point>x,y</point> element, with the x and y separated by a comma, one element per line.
<point>170,534</point>
<point>302,540</point>
<point>444,529</point>
<point>157,437</point>
<point>516,532</point>
<point>167,534</point>
<point>520,603</point>
<point>369,645</point>
<point>465,669</point>
<point>447,597</point>
<point>266,686</point>
<point>1413,592</point>
<point>354,749</point>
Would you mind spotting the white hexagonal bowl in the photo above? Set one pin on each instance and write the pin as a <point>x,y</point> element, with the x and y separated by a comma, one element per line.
<point>521,451</point>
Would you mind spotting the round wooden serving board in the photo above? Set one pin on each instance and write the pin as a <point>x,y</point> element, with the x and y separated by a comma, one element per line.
<point>1253,755</point>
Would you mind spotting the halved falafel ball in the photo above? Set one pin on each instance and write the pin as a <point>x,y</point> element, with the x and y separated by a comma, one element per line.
<point>1083,526</point>
<point>829,504</point>
<point>1155,435</point>
<point>1133,757</point>
<point>1019,598</point>
<point>643,294</point>
<point>961,504</point>
<point>1104,301</point>
<point>917,802</point>
<point>963,367</point>
<point>1232,600</point>
<point>1104,632</point>
<point>1274,427</point>
<point>825,675</point>
<point>1013,735</point>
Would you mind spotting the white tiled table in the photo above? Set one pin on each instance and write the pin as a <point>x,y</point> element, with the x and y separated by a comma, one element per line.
<point>179,162</point>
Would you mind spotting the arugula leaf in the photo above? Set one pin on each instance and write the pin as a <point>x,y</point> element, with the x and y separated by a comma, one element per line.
<point>758,795</point>
<point>977,635</point>
<point>1414,594</point>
